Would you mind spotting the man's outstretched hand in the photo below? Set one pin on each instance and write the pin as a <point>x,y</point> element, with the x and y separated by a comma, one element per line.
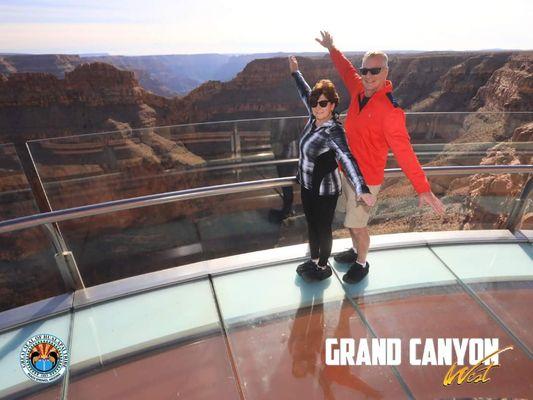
<point>326,41</point>
<point>431,200</point>
<point>369,199</point>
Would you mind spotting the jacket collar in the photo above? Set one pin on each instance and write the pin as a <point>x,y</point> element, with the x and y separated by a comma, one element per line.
<point>329,122</point>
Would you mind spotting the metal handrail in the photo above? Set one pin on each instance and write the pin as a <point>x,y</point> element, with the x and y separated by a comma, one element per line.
<point>239,187</point>
<point>224,164</point>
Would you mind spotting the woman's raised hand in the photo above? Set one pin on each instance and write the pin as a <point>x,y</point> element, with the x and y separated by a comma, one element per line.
<point>326,41</point>
<point>293,64</point>
<point>369,199</point>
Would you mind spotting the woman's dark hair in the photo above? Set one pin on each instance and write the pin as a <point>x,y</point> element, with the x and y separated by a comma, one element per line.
<point>327,88</point>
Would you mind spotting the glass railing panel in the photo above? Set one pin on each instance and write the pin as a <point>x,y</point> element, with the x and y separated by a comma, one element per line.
<point>132,242</point>
<point>473,202</point>
<point>28,271</point>
<point>80,170</point>
<point>470,138</point>
<point>466,127</point>
<point>127,243</point>
<point>28,268</point>
<point>16,197</point>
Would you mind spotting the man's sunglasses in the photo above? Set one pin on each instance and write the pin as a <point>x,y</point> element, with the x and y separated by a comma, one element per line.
<point>373,71</point>
<point>321,103</point>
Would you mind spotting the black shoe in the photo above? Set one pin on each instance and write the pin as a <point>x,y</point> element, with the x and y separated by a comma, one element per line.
<point>316,273</point>
<point>346,257</point>
<point>356,273</point>
<point>306,265</point>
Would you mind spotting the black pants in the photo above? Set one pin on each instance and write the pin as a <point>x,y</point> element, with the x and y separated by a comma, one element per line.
<point>319,212</point>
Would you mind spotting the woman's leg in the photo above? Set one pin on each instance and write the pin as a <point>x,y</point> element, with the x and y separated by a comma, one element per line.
<point>309,206</point>
<point>327,206</point>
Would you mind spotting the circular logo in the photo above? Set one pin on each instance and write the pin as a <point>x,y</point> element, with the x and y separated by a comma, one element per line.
<point>44,358</point>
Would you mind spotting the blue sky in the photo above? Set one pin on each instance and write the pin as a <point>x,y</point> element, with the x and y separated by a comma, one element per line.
<point>214,26</point>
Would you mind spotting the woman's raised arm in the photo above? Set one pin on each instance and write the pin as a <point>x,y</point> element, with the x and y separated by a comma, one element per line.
<point>303,88</point>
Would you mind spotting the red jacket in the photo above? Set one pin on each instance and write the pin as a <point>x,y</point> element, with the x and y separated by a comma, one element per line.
<point>379,126</point>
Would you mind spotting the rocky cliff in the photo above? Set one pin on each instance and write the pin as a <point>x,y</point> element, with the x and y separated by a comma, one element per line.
<point>55,64</point>
<point>41,105</point>
<point>490,198</point>
<point>37,105</point>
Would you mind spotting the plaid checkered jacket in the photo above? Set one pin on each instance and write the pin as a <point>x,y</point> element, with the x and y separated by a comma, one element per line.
<point>320,150</point>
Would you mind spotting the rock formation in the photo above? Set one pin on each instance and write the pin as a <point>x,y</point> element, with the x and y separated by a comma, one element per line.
<point>55,64</point>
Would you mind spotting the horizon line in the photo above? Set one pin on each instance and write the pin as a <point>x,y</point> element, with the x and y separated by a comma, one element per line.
<point>104,54</point>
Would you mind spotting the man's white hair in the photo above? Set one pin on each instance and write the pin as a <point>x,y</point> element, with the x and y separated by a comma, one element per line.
<point>377,53</point>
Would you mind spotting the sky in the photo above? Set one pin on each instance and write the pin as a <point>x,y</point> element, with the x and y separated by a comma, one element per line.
<point>135,27</point>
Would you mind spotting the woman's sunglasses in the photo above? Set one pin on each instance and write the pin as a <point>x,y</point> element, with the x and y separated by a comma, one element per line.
<point>321,103</point>
<point>373,71</point>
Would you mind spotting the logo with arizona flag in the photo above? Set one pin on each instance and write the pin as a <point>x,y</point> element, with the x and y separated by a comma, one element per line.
<point>44,358</point>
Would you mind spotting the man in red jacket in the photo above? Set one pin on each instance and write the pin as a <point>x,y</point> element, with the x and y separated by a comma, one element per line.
<point>374,125</point>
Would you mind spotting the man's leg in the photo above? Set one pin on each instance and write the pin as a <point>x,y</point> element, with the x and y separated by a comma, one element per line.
<point>346,198</point>
<point>361,242</point>
<point>354,237</point>
<point>357,216</point>
<point>356,220</point>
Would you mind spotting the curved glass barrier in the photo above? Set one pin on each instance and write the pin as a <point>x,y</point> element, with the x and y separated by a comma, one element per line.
<point>122,244</point>
<point>28,268</point>
<point>16,197</point>
<point>86,169</point>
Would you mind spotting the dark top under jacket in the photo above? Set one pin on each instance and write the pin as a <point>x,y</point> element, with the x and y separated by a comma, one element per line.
<point>320,149</point>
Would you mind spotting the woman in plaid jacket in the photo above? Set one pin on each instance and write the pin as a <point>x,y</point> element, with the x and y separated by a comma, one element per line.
<point>322,146</point>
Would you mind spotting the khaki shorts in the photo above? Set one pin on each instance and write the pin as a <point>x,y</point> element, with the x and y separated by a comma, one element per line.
<point>357,213</point>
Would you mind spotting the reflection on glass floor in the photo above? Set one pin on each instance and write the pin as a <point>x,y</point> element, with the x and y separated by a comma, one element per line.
<point>259,333</point>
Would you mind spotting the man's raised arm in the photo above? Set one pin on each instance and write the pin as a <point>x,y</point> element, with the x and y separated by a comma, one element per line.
<point>348,73</point>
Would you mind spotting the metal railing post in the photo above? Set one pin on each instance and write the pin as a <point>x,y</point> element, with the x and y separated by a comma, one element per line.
<point>237,142</point>
<point>519,204</point>
<point>237,154</point>
<point>66,263</point>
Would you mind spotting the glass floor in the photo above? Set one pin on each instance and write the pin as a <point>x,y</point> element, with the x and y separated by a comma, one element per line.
<point>260,333</point>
